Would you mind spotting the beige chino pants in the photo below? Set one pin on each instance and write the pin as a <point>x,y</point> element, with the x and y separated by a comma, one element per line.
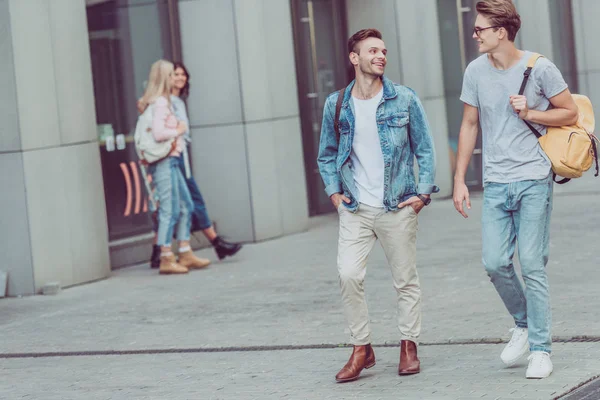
<point>397,232</point>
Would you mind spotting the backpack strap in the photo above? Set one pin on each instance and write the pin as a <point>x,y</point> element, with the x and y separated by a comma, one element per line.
<point>534,57</point>
<point>338,109</point>
<point>595,150</point>
<point>530,63</point>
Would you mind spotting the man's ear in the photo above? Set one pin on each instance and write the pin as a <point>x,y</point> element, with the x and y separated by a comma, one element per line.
<point>503,33</point>
<point>353,58</point>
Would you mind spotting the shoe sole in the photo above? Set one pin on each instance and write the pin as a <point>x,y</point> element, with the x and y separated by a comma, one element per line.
<point>228,255</point>
<point>194,268</point>
<point>354,377</point>
<point>409,373</point>
<point>538,377</point>
<point>172,273</point>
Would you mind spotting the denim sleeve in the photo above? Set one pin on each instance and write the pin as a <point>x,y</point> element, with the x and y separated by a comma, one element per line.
<point>328,150</point>
<point>422,145</point>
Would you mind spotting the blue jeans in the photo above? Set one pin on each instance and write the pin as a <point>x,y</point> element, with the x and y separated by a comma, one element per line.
<point>200,219</point>
<point>175,202</point>
<point>520,212</point>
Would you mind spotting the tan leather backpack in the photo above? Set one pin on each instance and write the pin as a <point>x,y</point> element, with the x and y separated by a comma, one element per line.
<point>571,149</point>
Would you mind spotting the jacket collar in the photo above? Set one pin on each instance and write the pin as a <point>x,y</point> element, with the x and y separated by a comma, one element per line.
<point>389,91</point>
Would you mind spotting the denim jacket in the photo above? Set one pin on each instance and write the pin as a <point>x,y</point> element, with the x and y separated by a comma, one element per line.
<point>403,133</point>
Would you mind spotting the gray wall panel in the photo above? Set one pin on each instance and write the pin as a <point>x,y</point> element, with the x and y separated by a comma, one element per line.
<point>73,71</point>
<point>9,130</point>
<point>47,199</point>
<point>87,213</point>
<point>209,51</point>
<point>15,245</point>
<point>535,34</point>
<point>421,54</point>
<point>65,199</point>
<point>291,176</point>
<point>34,71</point>
<point>221,170</point>
<point>436,115</point>
<point>264,180</point>
<point>266,52</point>
<point>277,178</point>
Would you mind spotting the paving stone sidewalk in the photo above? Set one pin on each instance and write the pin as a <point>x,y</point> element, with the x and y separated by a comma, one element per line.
<point>284,292</point>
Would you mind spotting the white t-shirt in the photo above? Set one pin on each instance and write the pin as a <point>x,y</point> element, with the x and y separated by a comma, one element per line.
<point>366,155</point>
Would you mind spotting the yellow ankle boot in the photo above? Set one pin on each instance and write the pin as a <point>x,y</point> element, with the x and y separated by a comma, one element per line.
<point>168,265</point>
<point>189,260</point>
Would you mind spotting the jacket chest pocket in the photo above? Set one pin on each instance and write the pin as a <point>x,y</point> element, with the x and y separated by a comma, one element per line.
<point>398,129</point>
<point>344,133</point>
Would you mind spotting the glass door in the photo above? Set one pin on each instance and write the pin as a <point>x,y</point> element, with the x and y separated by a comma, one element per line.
<point>126,37</point>
<point>322,67</point>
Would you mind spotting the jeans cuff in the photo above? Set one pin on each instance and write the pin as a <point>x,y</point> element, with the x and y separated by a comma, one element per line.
<point>361,342</point>
<point>540,348</point>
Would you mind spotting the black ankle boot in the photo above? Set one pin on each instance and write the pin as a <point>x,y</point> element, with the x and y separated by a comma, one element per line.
<point>224,248</point>
<point>155,258</point>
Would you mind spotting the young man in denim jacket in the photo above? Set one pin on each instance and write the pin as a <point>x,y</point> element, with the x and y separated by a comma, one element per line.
<point>517,181</point>
<point>369,175</point>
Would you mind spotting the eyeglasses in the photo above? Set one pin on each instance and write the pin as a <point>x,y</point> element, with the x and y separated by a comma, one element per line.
<point>477,30</point>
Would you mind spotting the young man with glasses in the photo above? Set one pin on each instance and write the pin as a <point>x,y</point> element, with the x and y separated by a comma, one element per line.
<point>517,197</point>
<point>367,168</point>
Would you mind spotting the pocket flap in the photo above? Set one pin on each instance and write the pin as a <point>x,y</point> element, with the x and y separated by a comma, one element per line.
<point>398,121</point>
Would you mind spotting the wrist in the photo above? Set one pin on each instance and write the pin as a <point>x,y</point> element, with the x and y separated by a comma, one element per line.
<point>425,198</point>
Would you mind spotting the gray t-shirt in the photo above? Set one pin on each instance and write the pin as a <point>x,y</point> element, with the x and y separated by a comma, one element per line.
<point>181,114</point>
<point>511,152</point>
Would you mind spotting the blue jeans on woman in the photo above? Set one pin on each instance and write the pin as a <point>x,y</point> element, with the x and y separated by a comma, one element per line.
<point>174,199</point>
<point>200,219</point>
<point>520,212</point>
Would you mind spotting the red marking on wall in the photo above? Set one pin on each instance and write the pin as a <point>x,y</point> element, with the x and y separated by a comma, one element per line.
<point>138,188</point>
<point>127,178</point>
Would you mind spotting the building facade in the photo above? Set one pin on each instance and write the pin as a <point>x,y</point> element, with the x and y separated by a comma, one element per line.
<point>74,204</point>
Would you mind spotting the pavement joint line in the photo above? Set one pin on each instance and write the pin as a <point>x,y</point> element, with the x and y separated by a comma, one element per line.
<point>577,387</point>
<point>450,342</point>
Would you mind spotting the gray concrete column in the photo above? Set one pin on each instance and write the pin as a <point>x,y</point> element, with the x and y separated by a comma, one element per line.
<point>50,158</point>
<point>247,147</point>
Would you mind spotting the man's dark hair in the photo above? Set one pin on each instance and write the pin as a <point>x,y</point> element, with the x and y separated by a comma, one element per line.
<point>360,36</point>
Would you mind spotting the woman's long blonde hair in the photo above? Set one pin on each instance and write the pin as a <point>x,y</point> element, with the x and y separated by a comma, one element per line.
<point>159,83</point>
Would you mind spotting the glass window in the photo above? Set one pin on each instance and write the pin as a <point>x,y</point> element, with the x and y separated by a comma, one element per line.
<point>126,37</point>
<point>322,67</point>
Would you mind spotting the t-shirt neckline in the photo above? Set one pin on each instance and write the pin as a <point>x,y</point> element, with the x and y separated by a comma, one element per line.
<point>506,71</point>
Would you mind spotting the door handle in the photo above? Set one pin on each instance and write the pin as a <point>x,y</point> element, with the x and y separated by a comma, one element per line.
<point>312,95</point>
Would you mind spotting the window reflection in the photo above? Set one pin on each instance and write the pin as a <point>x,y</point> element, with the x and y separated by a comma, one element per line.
<point>126,37</point>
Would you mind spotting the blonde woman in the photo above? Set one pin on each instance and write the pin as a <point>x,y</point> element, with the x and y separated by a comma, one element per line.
<point>175,202</point>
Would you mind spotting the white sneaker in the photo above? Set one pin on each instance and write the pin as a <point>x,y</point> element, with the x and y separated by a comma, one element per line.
<point>517,347</point>
<point>540,365</point>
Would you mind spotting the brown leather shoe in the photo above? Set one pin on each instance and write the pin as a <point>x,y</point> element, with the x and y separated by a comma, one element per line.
<point>409,362</point>
<point>362,357</point>
<point>189,260</point>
